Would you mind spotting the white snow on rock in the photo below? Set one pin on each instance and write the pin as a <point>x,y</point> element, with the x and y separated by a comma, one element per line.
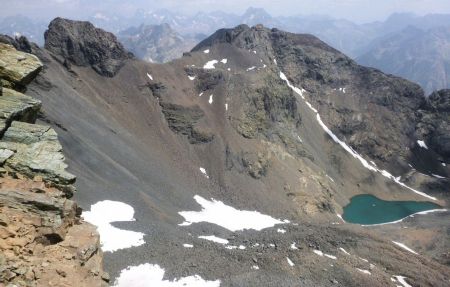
<point>290,262</point>
<point>200,94</point>
<point>255,267</point>
<point>229,69</point>
<point>404,247</point>
<point>364,271</point>
<point>150,76</point>
<point>350,150</point>
<point>437,176</point>
<point>294,246</point>
<point>210,101</point>
<point>320,253</point>
<point>226,107</point>
<point>343,250</point>
<point>210,64</point>
<point>422,144</point>
<point>216,212</point>
<point>363,259</point>
<point>188,245</point>
<point>224,61</point>
<point>146,275</point>
<point>275,61</point>
<point>242,247</point>
<point>251,68</point>
<point>214,239</point>
<point>401,280</point>
<point>206,51</point>
<point>112,238</point>
<point>203,170</point>
<point>280,230</point>
<point>443,164</point>
<point>254,52</point>
<point>192,77</point>
<point>231,247</point>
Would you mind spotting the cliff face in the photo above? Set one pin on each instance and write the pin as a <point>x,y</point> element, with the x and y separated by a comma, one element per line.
<point>43,242</point>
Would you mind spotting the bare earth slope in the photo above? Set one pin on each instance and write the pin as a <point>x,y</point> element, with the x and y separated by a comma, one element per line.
<point>143,135</point>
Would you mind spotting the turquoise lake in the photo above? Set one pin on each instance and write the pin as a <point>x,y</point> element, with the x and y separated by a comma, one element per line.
<point>367,209</point>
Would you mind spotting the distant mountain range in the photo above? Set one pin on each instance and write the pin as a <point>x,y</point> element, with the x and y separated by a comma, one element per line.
<point>155,43</point>
<point>422,56</point>
<point>364,42</point>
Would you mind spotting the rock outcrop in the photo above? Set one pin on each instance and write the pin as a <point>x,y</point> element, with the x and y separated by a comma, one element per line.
<point>81,44</point>
<point>17,69</point>
<point>43,241</point>
<point>434,124</point>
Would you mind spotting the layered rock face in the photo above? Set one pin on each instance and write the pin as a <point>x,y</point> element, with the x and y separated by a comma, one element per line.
<point>43,242</point>
<point>81,44</point>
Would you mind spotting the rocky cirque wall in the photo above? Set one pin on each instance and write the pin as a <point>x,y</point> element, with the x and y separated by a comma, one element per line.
<point>43,241</point>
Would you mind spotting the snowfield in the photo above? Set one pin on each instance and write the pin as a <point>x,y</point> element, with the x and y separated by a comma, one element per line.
<point>216,212</point>
<point>112,238</point>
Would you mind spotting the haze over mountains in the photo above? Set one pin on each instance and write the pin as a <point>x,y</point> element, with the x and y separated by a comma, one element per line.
<point>426,61</point>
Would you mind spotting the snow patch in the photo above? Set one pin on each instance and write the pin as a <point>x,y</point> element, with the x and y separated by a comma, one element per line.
<point>200,94</point>
<point>404,247</point>
<point>226,107</point>
<point>150,76</point>
<point>112,238</point>
<point>255,267</point>
<point>364,271</point>
<point>210,101</point>
<point>216,212</point>
<point>214,239</point>
<point>290,262</point>
<point>422,144</point>
<point>145,275</point>
<point>280,230</point>
<point>294,246</point>
<point>224,61</point>
<point>206,51</point>
<point>192,77</point>
<point>188,245</point>
<point>210,64</point>
<point>203,170</point>
<point>343,250</point>
<point>401,280</point>
<point>251,68</point>
<point>438,176</point>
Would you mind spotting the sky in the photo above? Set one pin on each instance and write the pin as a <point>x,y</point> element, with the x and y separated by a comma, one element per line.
<point>360,11</point>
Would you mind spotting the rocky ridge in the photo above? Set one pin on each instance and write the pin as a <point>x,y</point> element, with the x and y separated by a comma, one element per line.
<point>43,241</point>
<point>84,45</point>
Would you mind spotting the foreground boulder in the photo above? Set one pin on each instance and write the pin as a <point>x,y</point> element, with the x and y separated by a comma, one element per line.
<point>81,44</point>
<point>17,69</point>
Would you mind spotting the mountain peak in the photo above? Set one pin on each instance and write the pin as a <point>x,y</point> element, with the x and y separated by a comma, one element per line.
<point>82,44</point>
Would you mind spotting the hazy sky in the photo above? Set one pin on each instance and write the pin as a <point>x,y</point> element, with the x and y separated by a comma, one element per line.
<point>355,10</point>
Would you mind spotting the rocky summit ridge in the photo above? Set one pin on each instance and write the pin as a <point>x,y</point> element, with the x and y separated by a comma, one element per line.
<point>43,241</point>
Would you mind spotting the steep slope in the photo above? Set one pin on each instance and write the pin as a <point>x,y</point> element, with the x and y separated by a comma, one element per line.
<point>418,55</point>
<point>155,43</point>
<point>226,122</point>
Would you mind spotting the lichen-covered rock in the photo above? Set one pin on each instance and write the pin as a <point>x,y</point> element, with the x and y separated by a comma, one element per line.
<point>37,152</point>
<point>18,107</point>
<point>17,68</point>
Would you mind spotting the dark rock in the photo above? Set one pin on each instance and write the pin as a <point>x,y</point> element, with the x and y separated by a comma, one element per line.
<point>183,119</point>
<point>84,45</point>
